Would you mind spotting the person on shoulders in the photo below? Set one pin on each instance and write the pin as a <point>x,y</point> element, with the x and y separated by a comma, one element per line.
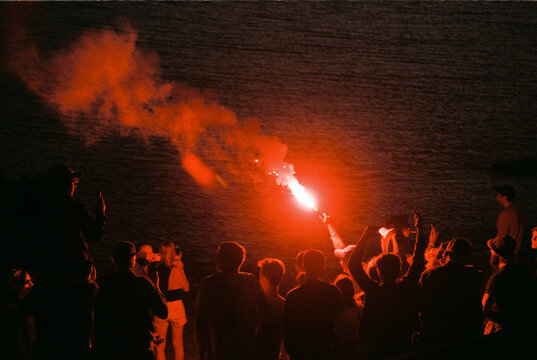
<point>63,221</point>
<point>511,221</point>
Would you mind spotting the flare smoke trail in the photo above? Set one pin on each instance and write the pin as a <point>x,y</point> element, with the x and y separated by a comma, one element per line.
<point>104,83</point>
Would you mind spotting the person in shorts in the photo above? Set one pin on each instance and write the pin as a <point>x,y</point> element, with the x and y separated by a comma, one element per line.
<point>173,283</point>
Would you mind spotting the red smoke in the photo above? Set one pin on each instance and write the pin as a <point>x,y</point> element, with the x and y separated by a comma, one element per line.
<point>104,83</point>
<point>198,170</point>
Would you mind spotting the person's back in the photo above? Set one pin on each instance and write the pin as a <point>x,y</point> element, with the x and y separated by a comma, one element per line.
<point>309,312</point>
<point>450,303</point>
<point>270,332</point>
<point>389,318</point>
<point>227,308</point>
<point>61,305</point>
<point>63,319</point>
<point>390,312</point>
<point>512,294</point>
<point>123,315</point>
<point>347,321</point>
<point>309,315</point>
<point>450,297</point>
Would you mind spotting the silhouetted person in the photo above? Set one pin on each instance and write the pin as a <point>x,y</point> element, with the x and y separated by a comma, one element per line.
<point>16,331</point>
<point>299,267</point>
<point>511,221</point>
<point>390,314</point>
<point>309,312</point>
<point>63,221</point>
<point>124,310</point>
<point>510,294</point>
<point>62,298</point>
<point>450,298</point>
<point>270,333</point>
<point>62,309</point>
<point>227,308</point>
<point>347,340</point>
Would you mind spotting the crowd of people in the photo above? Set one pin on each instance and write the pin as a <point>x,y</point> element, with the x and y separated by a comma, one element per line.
<point>420,297</point>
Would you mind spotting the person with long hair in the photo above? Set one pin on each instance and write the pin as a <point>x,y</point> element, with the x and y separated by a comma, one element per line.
<point>173,283</point>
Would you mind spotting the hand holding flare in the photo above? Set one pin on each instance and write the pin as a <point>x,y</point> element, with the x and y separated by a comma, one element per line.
<point>337,241</point>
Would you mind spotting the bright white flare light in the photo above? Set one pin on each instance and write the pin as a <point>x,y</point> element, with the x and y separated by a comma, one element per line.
<point>300,193</point>
<point>285,176</point>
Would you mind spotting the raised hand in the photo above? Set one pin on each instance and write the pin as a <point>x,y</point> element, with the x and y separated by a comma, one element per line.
<point>325,219</point>
<point>418,220</point>
<point>433,235</point>
<point>100,205</point>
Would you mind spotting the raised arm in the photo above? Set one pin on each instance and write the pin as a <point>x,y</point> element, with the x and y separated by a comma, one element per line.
<point>433,237</point>
<point>337,242</point>
<point>418,258</point>
<point>355,262</point>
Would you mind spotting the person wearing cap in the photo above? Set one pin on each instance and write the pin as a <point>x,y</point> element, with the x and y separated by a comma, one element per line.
<point>511,220</point>
<point>124,310</point>
<point>509,296</point>
<point>450,298</point>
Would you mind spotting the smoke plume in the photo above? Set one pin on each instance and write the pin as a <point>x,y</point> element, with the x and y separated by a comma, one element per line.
<point>103,83</point>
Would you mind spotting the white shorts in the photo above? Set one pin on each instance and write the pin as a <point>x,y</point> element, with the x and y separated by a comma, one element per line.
<point>176,314</point>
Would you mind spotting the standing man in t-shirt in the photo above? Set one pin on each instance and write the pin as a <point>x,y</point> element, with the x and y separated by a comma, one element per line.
<point>511,220</point>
